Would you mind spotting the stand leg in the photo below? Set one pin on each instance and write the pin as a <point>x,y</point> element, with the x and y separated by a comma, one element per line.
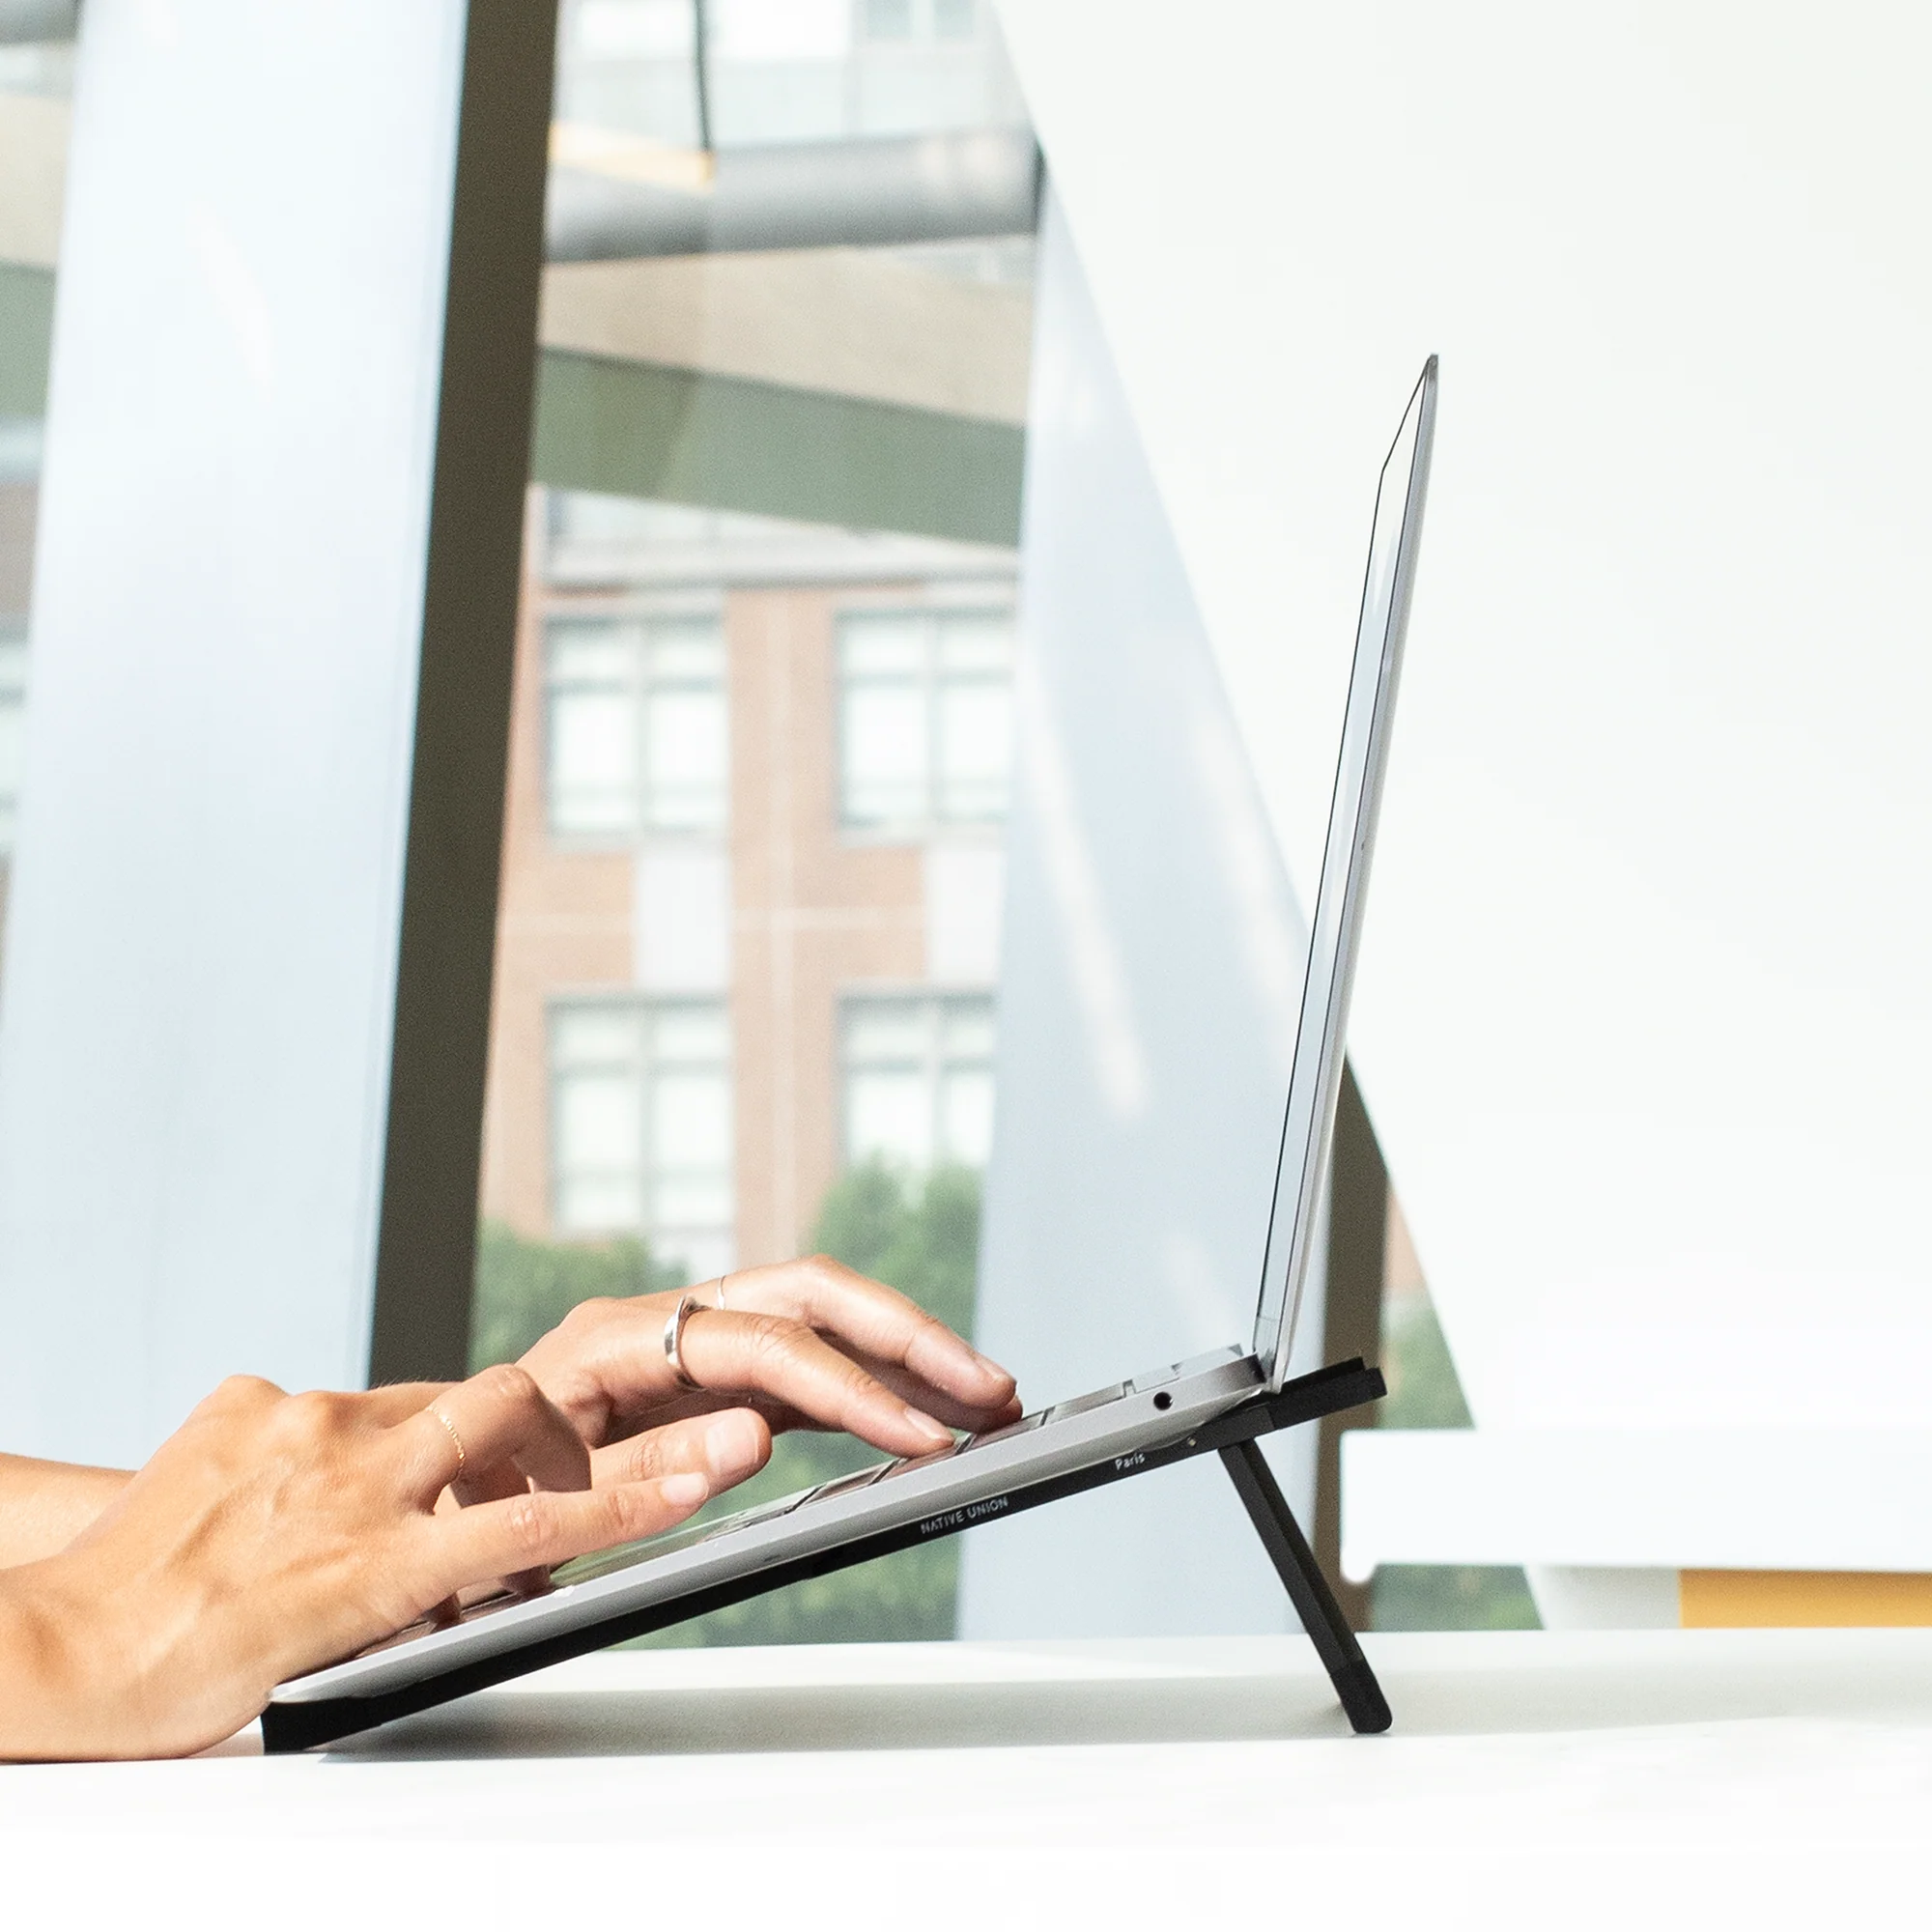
<point>1307,1588</point>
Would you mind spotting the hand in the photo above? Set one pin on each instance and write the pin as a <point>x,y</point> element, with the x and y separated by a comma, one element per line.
<point>272,1534</point>
<point>806,1343</point>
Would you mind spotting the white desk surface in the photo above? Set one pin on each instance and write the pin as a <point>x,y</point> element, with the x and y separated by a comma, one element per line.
<point>1549,1780</point>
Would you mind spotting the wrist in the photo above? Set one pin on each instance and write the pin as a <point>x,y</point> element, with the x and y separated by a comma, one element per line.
<point>40,1714</point>
<point>44,1506</point>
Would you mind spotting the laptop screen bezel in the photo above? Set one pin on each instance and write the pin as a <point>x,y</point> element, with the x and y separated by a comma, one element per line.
<point>1334,931</point>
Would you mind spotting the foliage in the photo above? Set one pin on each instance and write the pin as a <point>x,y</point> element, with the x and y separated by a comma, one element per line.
<point>1439,1597</point>
<point>921,1236</point>
<point>1426,1393</point>
<point>524,1289</point>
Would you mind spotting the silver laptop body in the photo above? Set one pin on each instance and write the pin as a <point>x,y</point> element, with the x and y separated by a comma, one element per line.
<point>1117,1431</point>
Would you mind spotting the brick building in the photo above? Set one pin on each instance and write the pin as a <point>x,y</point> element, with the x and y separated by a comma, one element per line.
<point>753,872</point>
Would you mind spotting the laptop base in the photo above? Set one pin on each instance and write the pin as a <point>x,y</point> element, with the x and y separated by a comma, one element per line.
<point>1233,1434</point>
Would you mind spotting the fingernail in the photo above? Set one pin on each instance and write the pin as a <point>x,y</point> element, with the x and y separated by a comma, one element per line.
<point>935,1433</point>
<point>731,1449</point>
<point>684,1491</point>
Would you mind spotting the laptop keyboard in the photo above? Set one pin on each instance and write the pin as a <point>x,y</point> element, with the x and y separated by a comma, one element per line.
<point>585,1568</point>
<point>606,1562</point>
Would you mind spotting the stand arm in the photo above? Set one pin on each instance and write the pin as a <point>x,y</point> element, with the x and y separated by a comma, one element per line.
<point>1307,1588</point>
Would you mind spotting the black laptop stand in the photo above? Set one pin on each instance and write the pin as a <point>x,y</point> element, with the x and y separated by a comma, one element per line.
<point>1231,1435</point>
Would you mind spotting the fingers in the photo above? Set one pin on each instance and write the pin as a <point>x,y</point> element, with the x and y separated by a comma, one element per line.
<point>397,1402</point>
<point>805,1343</point>
<point>472,1430</point>
<point>876,1322</point>
<point>765,1356</point>
<point>543,1527</point>
<point>724,1448</point>
<point>920,1394</point>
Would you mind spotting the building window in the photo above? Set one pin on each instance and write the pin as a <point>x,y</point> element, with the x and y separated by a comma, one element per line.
<point>888,20</point>
<point>919,20</point>
<point>924,719</point>
<point>918,1078</point>
<point>641,1111</point>
<point>638,738</point>
<point>12,727</point>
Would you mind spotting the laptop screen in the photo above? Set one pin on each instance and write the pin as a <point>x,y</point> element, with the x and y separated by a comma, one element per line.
<point>1315,1073</point>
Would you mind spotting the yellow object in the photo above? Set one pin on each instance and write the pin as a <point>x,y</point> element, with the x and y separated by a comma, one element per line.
<point>1802,1599</point>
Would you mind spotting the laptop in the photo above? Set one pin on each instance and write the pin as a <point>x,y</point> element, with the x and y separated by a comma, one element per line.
<point>1144,1421</point>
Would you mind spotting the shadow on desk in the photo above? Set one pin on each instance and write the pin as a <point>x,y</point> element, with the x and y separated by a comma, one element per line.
<point>940,1697</point>
<point>850,1718</point>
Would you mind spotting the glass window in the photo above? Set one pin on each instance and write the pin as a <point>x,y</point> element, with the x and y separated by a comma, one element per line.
<point>13,727</point>
<point>919,1079</point>
<point>889,19</point>
<point>639,738</point>
<point>925,719</point>
<point>642,1124</point>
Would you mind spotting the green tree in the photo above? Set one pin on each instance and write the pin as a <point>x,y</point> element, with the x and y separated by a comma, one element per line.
<point>921,1236</point>
<point>1425,1392</point>
<point>524,1289</point>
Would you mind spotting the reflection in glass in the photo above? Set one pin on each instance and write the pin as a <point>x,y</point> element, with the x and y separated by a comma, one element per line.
<point>641,1103</point>
<point>785,69</point>
<point>925,708</point>
<point>725,831</point>
<point>637,717</point>
<point>919,1079</point>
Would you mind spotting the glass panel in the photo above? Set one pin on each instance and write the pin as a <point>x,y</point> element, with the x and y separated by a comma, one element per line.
<point>888,1116</point>
<point>13,725</point>
<point>687,649</point>
<point>966,1116</point>
<point>976,640</point>
<point>599,654</point>
<point>683,1205</point>
<point>697,1031</point>
<point>878,1029</point>
<point>598,1120</point>
<point>687,745</point>
<point>975,749</point>
<point>580,1034</point>
<point>735,890</point>
<point>691,1120</point>
<point>599,1203</point>
<point>888,20</point>
<point>873,643</point>
<point>886,753</point>
<point>967,1030</point>
<point>593,761</point>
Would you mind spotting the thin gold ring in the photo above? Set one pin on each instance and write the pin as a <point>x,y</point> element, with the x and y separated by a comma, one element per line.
<point>455,1440</point>
<point>687,1305</point>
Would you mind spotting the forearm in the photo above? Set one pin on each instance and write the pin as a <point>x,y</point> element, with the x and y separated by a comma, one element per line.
<point>44,1506</point>
<point>37,1717</point>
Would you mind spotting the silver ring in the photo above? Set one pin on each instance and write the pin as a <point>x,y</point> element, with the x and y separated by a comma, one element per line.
<point>675,1336</point>
<point>722,1280</point>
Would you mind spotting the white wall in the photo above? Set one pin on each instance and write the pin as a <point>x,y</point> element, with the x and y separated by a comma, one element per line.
<point>1642,1018</point>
